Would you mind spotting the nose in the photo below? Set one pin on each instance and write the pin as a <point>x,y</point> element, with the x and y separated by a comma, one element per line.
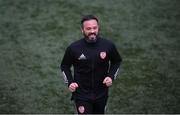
<point>92,31</point>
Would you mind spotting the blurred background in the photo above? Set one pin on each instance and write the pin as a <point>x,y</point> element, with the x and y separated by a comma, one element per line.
<point>35,33</point>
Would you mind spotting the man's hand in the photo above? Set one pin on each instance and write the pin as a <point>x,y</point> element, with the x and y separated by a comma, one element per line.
<point>107,81</point>
<point>73,86</point>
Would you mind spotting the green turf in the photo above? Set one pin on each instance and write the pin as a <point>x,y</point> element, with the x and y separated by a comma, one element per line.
<point>35,33</point>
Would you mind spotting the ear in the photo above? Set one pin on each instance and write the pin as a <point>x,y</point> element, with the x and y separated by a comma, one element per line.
<point>82,30</point>
<point>99,28</point>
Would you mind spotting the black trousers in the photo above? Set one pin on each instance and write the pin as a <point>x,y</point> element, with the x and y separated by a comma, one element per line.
<point>91,107</point>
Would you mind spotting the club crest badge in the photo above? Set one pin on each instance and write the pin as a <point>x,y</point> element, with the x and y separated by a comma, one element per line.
<point>103,55</point>
<point>81,109</point>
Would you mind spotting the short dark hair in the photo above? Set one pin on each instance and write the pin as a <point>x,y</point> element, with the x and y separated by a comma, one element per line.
<point>88,17</point>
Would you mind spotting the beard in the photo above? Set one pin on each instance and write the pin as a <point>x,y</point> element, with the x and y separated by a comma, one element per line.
<point>91,37</point>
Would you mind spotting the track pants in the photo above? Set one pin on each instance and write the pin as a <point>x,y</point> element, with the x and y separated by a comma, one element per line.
<point>91,107</point>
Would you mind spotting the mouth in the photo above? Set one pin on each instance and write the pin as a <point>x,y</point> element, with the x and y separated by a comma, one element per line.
<point>92,35</point>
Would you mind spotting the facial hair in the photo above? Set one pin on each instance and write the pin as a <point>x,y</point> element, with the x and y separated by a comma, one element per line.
<point>90,39</point>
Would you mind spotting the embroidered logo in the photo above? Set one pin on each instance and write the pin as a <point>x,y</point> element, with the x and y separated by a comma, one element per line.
<point>82,57</point>
<point>81,109</point>
<point>103,55</point>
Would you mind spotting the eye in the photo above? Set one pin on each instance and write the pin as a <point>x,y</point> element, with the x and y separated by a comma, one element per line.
<point>95,27</point>
<point>88,28</point>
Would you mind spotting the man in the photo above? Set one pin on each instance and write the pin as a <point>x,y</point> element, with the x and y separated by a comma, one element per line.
<point>96,63</point>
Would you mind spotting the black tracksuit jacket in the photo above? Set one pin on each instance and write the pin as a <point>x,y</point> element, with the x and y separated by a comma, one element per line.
<point>91,62</point>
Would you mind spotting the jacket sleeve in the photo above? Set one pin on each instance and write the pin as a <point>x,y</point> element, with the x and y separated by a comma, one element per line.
<point>66,66</point>
<point>115,61</point>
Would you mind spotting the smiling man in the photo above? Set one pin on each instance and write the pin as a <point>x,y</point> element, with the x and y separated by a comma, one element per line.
<point>96,62</point>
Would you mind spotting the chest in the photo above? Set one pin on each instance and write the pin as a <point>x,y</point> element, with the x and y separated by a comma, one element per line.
<point>92,54</point>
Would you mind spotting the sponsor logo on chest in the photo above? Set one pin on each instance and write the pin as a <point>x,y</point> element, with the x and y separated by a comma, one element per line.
<point>82,57</point>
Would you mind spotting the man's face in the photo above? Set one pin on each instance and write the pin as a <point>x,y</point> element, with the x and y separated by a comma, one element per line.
<point>90,30</point>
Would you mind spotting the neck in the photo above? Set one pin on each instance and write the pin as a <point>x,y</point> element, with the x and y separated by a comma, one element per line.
<point>91,41</point>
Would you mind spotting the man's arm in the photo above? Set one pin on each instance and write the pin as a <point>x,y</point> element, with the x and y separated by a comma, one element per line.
<point>66,66</point>
<point>115,61</point>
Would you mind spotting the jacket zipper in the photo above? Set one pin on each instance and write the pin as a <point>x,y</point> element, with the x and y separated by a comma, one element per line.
<point>92,76</point>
